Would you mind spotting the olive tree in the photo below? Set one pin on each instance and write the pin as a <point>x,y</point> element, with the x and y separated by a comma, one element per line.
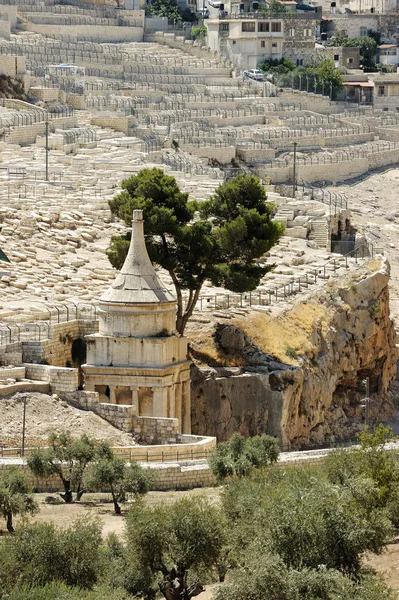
<point>15,495</point>
<point>239,455</point>
<point>173,541</point>
<point>41,553</point>
<point>67,458</point>
<point>121,479</point>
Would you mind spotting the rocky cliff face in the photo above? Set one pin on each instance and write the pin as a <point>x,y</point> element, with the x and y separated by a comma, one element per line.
<point>334,341</point>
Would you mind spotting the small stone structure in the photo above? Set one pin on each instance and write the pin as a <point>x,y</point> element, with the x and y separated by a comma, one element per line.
<point>136,358</point>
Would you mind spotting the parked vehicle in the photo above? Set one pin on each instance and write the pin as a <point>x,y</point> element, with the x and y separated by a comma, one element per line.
<point>203,12</point>
<point>215,3</point>
<point>254,74</point>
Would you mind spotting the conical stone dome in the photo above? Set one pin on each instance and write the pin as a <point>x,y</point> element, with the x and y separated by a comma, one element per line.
<point>137,282</point>
<point>137,303</point>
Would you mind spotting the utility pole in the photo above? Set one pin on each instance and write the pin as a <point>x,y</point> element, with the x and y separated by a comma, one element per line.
<point>23,428</point>
<point>294,172</point>
<point>46,145</point>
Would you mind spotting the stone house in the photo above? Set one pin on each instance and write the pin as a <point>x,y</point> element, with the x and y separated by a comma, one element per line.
<point>388,54</point>
<point>248,38</point>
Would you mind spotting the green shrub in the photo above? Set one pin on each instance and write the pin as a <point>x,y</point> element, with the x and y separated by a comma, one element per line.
<point>40,553</point>
<point>239,456</point>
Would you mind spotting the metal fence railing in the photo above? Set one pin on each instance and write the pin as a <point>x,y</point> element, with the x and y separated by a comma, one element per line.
<point>41,330</point>
<point>136,453</point>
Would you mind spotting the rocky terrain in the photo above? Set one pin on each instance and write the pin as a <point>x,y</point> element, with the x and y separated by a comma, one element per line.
<point>300,375</point>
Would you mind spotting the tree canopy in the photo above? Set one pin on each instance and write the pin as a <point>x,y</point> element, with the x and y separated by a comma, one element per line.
<point>239,456</point>
<point>319,75</point>
<point>217,240</point>
<point>68,458</point>
<point>40,553</point>
<point>173,540</point>
<point>121,479</point>
<point>15,495</point>
<point>171,10</point>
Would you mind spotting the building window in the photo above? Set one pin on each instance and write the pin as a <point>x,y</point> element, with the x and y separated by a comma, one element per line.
<point>223,26</point>
<point>234,42</point>
<point>363,31</point>
<point>248,26</point>
<point>336,56</point>
<point>262,44</point>
<point>274,45</point>
<point>350,61</point>
<point>291,32</point>
<point>276,27</point>
<point>263,26</point>
<point>307,32</point>
<point>381,90</point>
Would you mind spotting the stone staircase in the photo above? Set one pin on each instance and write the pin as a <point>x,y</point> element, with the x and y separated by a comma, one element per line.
<point>319,232</point>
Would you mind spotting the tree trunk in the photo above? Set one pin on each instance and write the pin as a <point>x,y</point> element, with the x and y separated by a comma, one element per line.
<point>117,508</point>
<point>183,317</point>
<point>79,494</point>
<point>174,586</point>
<point>67,495</point>
<point>10,527</point>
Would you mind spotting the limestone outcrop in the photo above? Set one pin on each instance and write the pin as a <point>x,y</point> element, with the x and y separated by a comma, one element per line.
<point>302,372</point>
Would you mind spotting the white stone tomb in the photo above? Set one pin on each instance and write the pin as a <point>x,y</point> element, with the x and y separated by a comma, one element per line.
<point>136,358</point>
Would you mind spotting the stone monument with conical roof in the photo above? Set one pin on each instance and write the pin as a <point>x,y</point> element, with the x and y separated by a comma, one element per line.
<point>136,358</point>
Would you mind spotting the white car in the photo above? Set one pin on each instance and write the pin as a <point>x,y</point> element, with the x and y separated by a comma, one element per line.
<point>215,3</point>
<point>254,74</point>
<point>203,12</point>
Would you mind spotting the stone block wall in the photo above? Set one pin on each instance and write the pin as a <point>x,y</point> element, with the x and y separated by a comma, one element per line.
<point>94,33</point>
<point>123,124</point>
<point>27,134</point>
<point>45,94</point>
<point>11,354</point>
<point>24,386</point>
<point>149,430</point>
<point>156,430</point>
<point>12,373</point>
<point>167,477</point>
<point>5,29</point>
<point>76,101</point>
<point>57,349</point>
<point>12,65</point>
<point>62,380</point>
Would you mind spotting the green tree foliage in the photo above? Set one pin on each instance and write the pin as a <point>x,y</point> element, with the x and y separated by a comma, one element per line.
<point>15,495</point>
<point>367,47</point>
<point>317,74</point>
<point>171,10</point>
<point>67,458</point>
<point>266,576</point>
<point>200,31</point>
<point>61,591</point>
<point>299,516</point>
<point>173,541</point>
<point>277,66</point>
<point>121,479</point>
<point>41,553</point>
<point>369,472</point>
<point>231,231</point>
<point>239,456</point>
<point>274,7</point>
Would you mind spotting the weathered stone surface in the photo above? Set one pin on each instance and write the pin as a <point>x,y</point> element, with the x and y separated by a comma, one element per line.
<point>319,400</point>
